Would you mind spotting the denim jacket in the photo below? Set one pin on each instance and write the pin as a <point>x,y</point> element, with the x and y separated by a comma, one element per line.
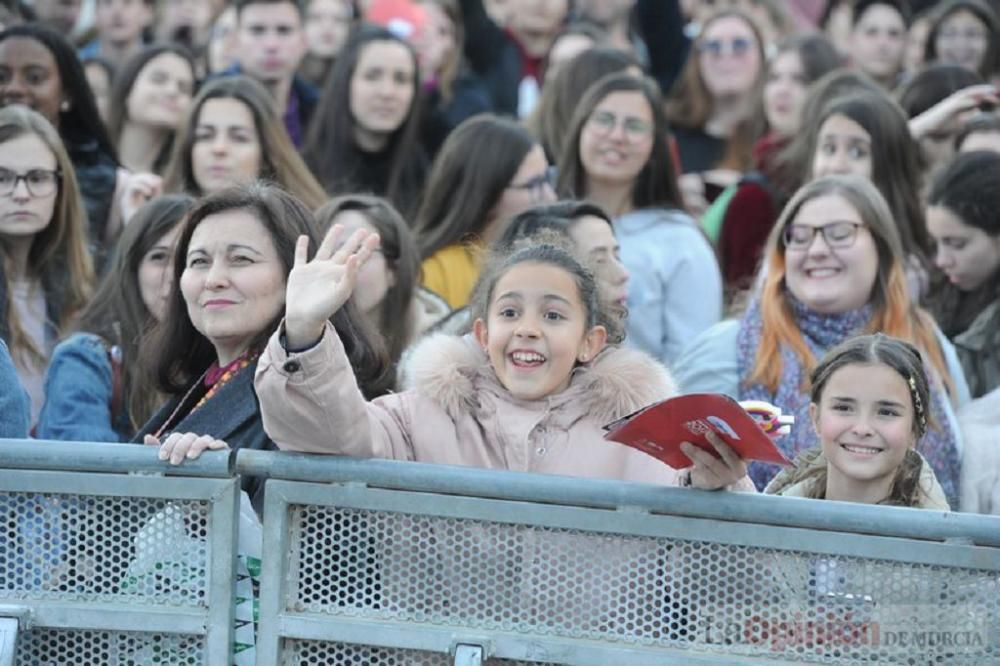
<point>14,408</point>
<point>78,389</point>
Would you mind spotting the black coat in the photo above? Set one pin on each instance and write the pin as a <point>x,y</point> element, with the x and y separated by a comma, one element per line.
<point>232,415</point>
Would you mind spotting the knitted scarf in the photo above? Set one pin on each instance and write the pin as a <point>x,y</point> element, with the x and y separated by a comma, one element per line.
<point>821,332</point>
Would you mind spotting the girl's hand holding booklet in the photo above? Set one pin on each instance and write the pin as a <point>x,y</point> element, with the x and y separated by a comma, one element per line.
<point>660,428</point>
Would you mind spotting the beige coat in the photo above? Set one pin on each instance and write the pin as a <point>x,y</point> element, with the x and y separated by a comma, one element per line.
<point>931,494</point>
<point>456,412</point>
<point>980,423</point>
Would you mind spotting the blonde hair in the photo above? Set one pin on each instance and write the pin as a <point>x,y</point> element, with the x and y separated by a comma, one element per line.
<point>58,256</point>
<point>894,312</point>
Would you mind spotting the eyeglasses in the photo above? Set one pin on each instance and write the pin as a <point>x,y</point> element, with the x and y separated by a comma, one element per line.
<point>837,235</point>
<point>536,186</point>
<point>605,122</point>
<point>716,48</point>
<point>40,182</point>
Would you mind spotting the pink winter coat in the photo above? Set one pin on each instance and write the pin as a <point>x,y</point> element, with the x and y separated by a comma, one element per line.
<point>456,412</point>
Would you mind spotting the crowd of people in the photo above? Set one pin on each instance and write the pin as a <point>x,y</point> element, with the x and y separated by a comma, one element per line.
<point>477,231</point>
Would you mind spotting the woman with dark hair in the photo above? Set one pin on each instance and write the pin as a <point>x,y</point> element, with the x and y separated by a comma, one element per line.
<point>149,100</point>
<point>562,93</point>
<point>328,23</point>
<point>230,267</point>
<point>39,68</point>
<point>798,155</point>
<point>387,291</point>
<point>46,273</point>
<point>740,221</point>
<point>469,200</point>
<point>365,132</point>
<point>93,388</point>
<point>878,39</point>
<point>233,134</point>
<point>708,105</point>
<point>963,204</point>
<point>866,134</point>
<point>965,33</point>
<point>616,155</point>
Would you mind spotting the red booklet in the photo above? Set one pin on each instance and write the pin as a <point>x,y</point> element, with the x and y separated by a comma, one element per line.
<point>660,428</point>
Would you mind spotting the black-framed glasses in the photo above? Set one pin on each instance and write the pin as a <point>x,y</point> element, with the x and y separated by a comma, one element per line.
<point>837,235</point>
<point>536,186</point>
<point>40,182</point>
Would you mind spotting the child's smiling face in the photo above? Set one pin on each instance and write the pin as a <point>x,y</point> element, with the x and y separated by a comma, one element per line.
<point>536,330</point>
<point>865,422</point>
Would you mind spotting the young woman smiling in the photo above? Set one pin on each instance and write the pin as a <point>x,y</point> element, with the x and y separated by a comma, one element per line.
<point>616,155</point>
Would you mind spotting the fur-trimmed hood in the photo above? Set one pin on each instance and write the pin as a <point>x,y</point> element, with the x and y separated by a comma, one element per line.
<point>452,370</point>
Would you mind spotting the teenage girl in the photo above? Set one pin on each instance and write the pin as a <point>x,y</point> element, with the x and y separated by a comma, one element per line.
<point>869,404</point>
<point>529,391</point>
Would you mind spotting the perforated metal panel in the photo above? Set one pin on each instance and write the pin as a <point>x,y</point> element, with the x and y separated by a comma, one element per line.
<point>313,652</point>
<point>104,648</point>
<point>133,550</point>
<point>635,591</point>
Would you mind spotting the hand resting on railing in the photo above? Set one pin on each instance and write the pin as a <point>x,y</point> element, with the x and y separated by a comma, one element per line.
<point>181,446</point>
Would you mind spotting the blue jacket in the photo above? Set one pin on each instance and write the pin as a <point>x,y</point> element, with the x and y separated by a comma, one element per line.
<point>675,289</point>
<point>78,389</point>
<point>14,408</point>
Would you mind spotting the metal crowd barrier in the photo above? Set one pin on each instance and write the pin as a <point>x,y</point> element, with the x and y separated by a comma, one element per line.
<point>381,562</point>
<point>109,556</point>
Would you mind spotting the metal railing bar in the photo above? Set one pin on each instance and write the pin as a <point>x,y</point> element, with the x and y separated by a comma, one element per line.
<point>96,484</point>
<point>551,489</point>
<point>112,458</point>
<point>115,617</point>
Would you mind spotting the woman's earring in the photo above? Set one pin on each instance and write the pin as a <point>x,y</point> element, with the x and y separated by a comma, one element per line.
<point>64,106</point>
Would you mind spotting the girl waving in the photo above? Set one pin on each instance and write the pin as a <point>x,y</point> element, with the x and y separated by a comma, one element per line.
<point>529,391</point>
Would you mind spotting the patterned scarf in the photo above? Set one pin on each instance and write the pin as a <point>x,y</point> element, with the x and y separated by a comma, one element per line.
<point>821,332</point>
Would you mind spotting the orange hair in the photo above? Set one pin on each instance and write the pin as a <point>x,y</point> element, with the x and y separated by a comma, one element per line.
<point>894,313</point>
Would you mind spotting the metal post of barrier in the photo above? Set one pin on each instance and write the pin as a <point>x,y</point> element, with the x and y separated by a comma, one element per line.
<point>11,618</point>
<point>468,655</point>
<point>8,640</point>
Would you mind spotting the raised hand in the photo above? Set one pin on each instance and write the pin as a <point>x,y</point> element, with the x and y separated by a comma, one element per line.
<point>710,472</point>
<point>138,189</point>
<point>317,289</point>
<point>947,114</point>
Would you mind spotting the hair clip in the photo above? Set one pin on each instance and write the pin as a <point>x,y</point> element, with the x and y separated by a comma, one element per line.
<point>917,403</point>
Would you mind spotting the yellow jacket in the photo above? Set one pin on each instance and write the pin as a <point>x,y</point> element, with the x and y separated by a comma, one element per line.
<point>451,273</point>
